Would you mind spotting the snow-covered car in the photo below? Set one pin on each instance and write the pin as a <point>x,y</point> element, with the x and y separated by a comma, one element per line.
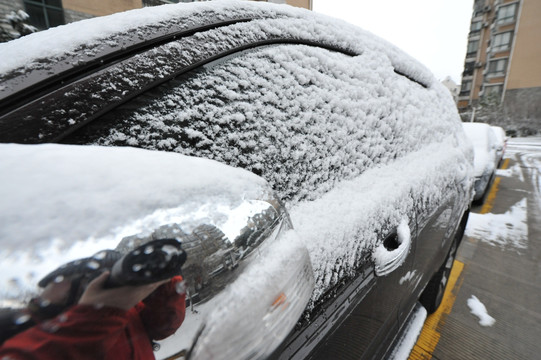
<point>485,148</point>
<point>501,143</point>
<point>361,143</point>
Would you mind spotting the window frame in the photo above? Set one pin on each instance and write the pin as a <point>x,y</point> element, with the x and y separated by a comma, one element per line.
<point>497,46</point>
<point>476,26</point>
<point>495,69</point>
<point>465,87</point>
<point>45,8</point>
<point>506,18</point>
<point>489,89</point>
<point>474,43</point>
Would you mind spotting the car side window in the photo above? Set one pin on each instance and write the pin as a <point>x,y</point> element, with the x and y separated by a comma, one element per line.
<point>302,117</point>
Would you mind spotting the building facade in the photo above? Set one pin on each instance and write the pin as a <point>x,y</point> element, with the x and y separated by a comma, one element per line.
<point>49,13</point>
<point>502,69</point>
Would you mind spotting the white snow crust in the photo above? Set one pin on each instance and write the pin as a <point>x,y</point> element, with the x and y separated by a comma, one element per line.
<point>485,155</point>
<point>478,309</point>
<point>411,334</point>
<point>515,171</point>
<point>88,36</point>
<point>507,231</point>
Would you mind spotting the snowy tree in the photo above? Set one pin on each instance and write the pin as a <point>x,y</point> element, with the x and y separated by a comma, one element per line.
<point>17,21</point>
<point>517,118</point>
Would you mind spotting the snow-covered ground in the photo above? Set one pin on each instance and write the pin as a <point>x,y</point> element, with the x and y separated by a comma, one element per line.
<point>478,309</point>
<point>508,231</point>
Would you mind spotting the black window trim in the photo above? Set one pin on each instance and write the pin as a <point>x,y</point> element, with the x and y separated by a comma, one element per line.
<point>44,6</point>
<point>160,81</point>
<point>56,81</point>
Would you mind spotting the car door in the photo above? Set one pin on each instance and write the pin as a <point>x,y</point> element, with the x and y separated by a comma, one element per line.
<point>366,302</point>
<point>437,221</point>
<point>369,321</point>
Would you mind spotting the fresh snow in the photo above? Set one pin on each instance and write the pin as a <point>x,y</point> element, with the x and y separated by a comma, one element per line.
<point>411,334</point>
<point>483,140</point>
<point>507,231</point>
<point>478,309</point>
<point>515,171</point>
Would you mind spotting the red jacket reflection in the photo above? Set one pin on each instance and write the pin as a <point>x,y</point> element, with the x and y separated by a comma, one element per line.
<point>85,332</point>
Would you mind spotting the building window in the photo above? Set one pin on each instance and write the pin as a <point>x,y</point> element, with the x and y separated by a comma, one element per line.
<point>501,42</point>
<point>465,88</point>
<point>506,14</point>
<point>473,45</point>
<point>476,26</point>
<point>45,13</point>
<point>492,92</point>
<point>468,68</point>
<point>497,66</point>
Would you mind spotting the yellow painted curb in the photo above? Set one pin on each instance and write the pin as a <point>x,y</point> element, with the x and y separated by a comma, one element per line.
<point>430,335</point>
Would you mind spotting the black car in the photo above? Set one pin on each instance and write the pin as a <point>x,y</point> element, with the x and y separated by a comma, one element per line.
<point>360,142</point>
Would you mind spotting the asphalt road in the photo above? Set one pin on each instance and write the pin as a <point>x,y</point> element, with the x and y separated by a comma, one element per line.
<point>498,262</point>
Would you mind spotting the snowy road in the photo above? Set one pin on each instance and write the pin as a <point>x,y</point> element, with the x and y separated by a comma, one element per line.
<point>493,309</point>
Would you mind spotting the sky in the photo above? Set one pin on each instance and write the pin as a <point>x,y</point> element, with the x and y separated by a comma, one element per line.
<point>434,32</point>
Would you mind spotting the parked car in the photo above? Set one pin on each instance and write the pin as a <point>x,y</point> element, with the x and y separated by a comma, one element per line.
<point>501,143</point>
<point>361,143</point>
<point>485,156</point>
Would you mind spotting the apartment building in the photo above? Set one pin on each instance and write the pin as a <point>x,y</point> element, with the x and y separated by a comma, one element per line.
<point>502,64</point>
<point>50,13</point>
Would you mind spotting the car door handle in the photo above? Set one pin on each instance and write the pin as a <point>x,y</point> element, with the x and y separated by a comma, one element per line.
<point>391,253</point>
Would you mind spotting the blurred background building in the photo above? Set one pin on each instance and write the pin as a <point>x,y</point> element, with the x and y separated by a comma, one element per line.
<point>454,89</point>
<point>501,82</point>
<point>44,14</point>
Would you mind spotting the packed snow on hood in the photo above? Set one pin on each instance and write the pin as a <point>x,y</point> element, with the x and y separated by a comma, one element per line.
<point>507,231</point>
<point>478,309</point>
<point>61,203</point>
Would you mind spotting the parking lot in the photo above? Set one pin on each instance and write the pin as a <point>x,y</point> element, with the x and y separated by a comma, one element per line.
<point>498,266</point>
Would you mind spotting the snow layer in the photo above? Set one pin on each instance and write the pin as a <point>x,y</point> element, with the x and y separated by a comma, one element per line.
<point>93,36</point>
<point>412,332</point>
<point>508,230</point>
<point>478,309</point>
<point>483,139</point>
<point>515,172</point>
<point>60,203</point>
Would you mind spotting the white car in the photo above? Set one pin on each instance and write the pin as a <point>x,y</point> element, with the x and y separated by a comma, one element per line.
<point>501,141</point>
<point>485,155</point>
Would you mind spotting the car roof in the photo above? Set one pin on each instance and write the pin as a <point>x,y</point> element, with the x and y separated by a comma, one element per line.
<point>65,53</point>
<point>478,133</point>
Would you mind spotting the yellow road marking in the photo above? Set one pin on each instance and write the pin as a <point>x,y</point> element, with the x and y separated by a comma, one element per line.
<point>431,333</point>
<point>489,201</point>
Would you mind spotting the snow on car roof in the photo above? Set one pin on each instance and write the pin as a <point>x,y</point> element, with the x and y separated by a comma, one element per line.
<point>38,49</point>
<point>477,133</point>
